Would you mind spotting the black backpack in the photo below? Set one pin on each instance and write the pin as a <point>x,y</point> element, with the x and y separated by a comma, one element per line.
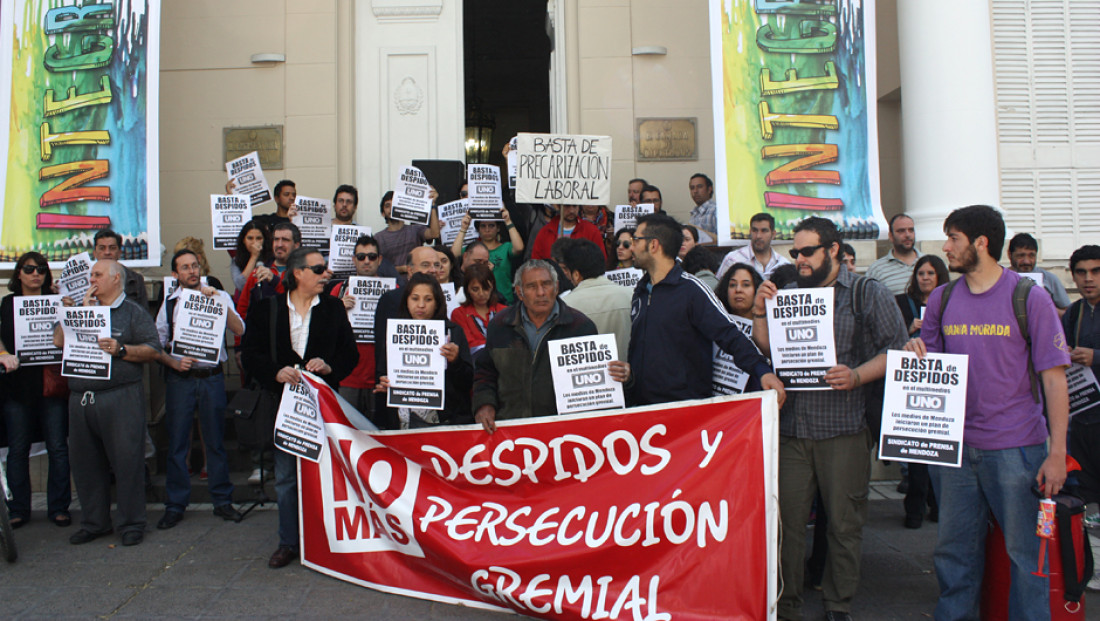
<point>873,391</point>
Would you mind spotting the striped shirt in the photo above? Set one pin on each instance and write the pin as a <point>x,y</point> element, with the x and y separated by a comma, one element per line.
<point>893,272</point>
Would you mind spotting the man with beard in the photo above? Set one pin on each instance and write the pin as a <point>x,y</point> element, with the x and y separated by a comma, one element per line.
<point>566,224</point>
<point>758,253</point>
<point>265,282</point>
<point>824,442</point>
<point>634,190</point>
<point>1004,452</point>
<point>1023,253</point>
<point>895,268</point>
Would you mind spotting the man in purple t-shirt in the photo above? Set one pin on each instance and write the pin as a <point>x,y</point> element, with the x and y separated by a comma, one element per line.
<point>1004,451</point>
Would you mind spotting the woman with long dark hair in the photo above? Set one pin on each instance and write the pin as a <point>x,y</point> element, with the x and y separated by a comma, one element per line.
<point>253,248</point>
<point>737,289</point>
<point>624,254</point>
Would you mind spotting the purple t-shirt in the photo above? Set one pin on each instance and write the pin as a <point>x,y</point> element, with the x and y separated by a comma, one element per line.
<point>1000,411</point>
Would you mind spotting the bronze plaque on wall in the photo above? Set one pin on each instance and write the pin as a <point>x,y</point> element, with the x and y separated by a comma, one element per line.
<point>266,140</point>
<point>663,140</point>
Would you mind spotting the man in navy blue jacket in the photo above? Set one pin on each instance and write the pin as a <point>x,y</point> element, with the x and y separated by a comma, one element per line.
<point>674,320</point>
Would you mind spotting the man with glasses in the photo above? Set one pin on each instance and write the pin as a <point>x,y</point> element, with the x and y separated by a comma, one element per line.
<point>674,320</point>
<point>358,387</point>
<point>824,441</point>
<point>193,385</point>
<point>758,252</point>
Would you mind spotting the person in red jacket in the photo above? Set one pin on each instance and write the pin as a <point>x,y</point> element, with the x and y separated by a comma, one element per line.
<point>481,305</point>
<point>566,224</point>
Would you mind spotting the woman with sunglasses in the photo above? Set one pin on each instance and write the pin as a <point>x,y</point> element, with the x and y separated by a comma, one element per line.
<point>502,253</point>
<point>624,255</point>
<point>422,298</point>
<point>36,402</point>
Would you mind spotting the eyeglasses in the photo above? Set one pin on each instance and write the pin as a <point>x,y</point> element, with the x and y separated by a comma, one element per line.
<point>642,238</point>
<point>806,251</point>
<point>30,269</point>
<point>369,256</point>
<point>625,243</point>
<point>318,269</point>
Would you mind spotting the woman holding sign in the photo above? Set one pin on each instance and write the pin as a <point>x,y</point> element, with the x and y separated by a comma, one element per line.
<point>423,299</point>
<point>36,399</point>
<point>501,253</point>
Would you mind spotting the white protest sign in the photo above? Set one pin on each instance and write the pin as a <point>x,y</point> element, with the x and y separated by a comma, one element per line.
<point>228,215</point>
<point>299,429</point>
<point>416,367</point>
<point>248,178</point>
<point>412,201</point>
<point>450,222</point>
<point>83,326</point>
<point>366,291</point>
<point>563,169</point>
<point>1084,391</point>
<point>627,276</point>
<point>513,160</point>
<point>727,378</point>
<point>34,317</point>
<point>198,329</point>
<point>171,284</point>
<point>314,220</point>
<point>73,281</point>
<point>800,331</point>
<point>924,408</point>
<point>341,249</point>
<point>581,379</point>
<point>483,188</point>
<point>1037,277</point>
<point>626,216</point>
<point>451,295</point>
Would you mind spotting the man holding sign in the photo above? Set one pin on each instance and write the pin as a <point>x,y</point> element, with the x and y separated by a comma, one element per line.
<point>1082,326</point>
<point>107,416</point>
<point>1005,432</point>
<point>192,384</point>
<point>824,444</point>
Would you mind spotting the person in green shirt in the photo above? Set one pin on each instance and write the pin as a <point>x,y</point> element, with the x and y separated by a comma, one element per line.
<point>501,253</point>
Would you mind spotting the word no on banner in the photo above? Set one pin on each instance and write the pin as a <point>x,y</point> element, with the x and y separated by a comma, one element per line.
<point>563,169</point>
<point>924,408</point>
<point>800,333</point>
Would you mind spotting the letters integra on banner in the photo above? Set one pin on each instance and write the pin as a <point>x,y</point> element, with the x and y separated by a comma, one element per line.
<point>794,101</point>
<point>79,127</point>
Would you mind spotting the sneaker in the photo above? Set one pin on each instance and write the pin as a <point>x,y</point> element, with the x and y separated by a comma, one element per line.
<point>1092,520</point>
<point>255,477</point>
<point>1094,584</point>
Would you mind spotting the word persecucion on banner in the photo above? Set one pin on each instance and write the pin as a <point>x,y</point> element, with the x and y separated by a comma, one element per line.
<point>559,168</point>
<point>637,514</point>
<point>79,105</point>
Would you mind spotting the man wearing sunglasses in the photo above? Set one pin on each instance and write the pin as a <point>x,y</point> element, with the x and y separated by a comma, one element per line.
<point>824,441</point>
<point>358,386</point>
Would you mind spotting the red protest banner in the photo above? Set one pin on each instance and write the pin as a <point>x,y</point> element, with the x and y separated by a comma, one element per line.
<point>651,513</point>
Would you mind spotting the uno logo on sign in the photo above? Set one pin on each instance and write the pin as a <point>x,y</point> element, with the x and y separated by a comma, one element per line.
<point>202,323</point>
<point>85,337</point>
<point>416,360</point>
<point>41,326</point>
<point>802,335</point>
<point>925,401</point>
<point>588,378</point>
<point>305,410</point>
<point>369,495</point>
<point>233,218</point>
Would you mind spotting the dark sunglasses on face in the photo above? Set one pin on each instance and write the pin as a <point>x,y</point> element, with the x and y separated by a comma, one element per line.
<point>806,251</point>
<point>368,256</point>
<point>30,269</point>
<point>625,243</point>
<point>318,269</point>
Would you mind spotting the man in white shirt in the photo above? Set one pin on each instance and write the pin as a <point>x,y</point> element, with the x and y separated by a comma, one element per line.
<point>758,253</point>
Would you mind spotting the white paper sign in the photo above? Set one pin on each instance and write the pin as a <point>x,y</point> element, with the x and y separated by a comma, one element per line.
<point>416,367</point>
<point>1084,391</point>
<point>627,276</point>
<point>248,178</point>
<point>198,329</point>
<point>411,197</point>
<point>1035,276</point>
<point>366,291</point>
<point>74,279</point>
<point>924,408</point>
<point>513,160</point>
<point>314,220</point>
<point>582,382</point>
<point>341,254</point>
<point>800,332</point>
<point>451,295</point>
<point>727,378</point>
<point>563,169</point>
<point>484,191</point>
<point>450,222</point>
<point>83,326</point>
<point>228,215</point>
<point>34,317</point>
<point>626,216</point>
<point>299,428</point>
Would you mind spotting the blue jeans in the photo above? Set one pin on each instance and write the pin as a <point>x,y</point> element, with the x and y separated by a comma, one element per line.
<point>998,483</point>
<point>286,496</point>
<point>51,415</point>
<point>183,395</point>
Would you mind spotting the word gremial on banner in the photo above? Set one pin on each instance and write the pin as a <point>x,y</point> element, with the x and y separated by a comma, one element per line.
<point>563,169</point>
<point>415,365</point>
<point>198,328</point>
<point>924,408</point>
<point>75,277</point>
<point>800,333</point>
<point>626,216</point>
<point>314,220</point>
<point>82,356</point>
<point>412,201</point>
<point>580,374</point>
<point>366,291</point>
<point>228,215</point>
<point>299,428</point>
<point>248,178</point>
<point>483,188</point>
<point>1084,391</point>
<point>35,317</point>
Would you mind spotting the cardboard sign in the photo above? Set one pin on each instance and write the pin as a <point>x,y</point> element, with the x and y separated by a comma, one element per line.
<point>581,379</point>
<point>248,178</point>
<point>314,220</point>
<point>800,333</point>
<point>484,192</point>
<point>415,366</point>
<point>35,317</point>
<point>412,201</point>
<point>74,279</point>
<point>366,291</point>
<point>563,169</point>
<point>228,215</point>
<point>299,429</point>
<point>198,329</point>
<point>82,356</point>
<point>924,408</point>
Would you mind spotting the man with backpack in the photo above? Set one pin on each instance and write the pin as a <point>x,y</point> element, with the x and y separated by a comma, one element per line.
<point>824,441</point>
<point>1010,330</point>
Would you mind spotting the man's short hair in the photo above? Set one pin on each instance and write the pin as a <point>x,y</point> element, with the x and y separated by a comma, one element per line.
<point>846,250</point>
<point>666,230</point>
<point>897,217</point>
<point>347,189</point>
<point>295,232</point>
<point>114,268</point>
<point>101,233</point>
<point>1090,252</point>
<point>638,180</point>
<point>585,257</point>
<point>763,217</point>
<point>388,196</point>
<point>652,188</point>
<point>535,264</point>
<point>698,259</point>
<point>180,253</point>
<point>282,184</point>
<point>827,233</point>
<point>706,179</point>
<point>367,240</point>
<point>975,221</point>
<point>1022,241</point>
<point>557,249</point>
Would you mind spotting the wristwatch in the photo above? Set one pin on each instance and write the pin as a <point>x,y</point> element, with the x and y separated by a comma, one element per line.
<point>121,351</point>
